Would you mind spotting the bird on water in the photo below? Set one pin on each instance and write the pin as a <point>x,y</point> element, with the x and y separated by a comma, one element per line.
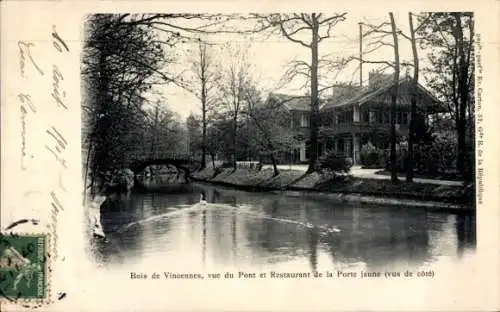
<point>203,200</point>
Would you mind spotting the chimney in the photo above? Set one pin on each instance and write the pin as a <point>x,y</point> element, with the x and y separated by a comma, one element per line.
<point>376,78</point>
<point>343,91</point>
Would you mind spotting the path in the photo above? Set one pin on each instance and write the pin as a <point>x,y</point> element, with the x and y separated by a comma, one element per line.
<point>358,172</point>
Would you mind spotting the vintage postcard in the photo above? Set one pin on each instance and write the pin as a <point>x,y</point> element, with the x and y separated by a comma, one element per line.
<point>258,156</point>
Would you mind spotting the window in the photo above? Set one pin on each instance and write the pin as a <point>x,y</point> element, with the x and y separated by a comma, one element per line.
<point>333,119</point>
<point>308,150</point>
<point>340,145</point>
<point>346,116</point>
<point>380,116</point>
<point>304,120</point>
<point>405,118</point>
<point>366,116</point>
<point>348,147</point>
<point>372,117</point>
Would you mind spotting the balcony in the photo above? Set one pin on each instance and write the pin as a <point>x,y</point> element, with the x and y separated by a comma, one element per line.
<point>360,127</point>
<point>300,132</point>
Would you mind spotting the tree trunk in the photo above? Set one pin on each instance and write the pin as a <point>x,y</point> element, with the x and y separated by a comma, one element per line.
<point>87,164</point>
<point>314,96</point>
<point>213,160</point>
<point>102,146</point>
<point>235,128</point>
<point>153,134</point>
<point>203,123</point>
<point>463,87</point>
<point>413,114</point>
<point>275,166</point>
<point>394,174</point>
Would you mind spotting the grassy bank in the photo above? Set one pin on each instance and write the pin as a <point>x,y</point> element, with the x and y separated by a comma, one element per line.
<point>292,180</point>
<point>437,176</point>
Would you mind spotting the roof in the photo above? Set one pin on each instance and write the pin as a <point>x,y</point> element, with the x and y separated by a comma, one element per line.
<point>371,93</point>
<point>294,102</point>
<point>342,93</point>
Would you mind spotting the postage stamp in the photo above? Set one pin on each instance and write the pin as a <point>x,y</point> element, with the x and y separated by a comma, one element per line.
<point>23,266</point>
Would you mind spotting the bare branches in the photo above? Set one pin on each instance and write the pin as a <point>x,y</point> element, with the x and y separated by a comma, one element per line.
<point>377,45</point>
<point>296,27</point>
<point>335,19</point>
<point>331,22</point>
<point>306,18</point>
<point>289,35</point>
<point>345,61</point>
<point>379,29</point>
<point>295,69</point>
<point>389,64</point>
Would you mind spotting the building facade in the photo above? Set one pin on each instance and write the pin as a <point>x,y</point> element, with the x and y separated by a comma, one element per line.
<point>355,116</point>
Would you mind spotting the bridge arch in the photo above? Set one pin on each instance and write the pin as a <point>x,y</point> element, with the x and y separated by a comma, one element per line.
<point>187,164</point>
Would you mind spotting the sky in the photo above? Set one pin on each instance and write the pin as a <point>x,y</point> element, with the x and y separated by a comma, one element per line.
<point>269,57</point>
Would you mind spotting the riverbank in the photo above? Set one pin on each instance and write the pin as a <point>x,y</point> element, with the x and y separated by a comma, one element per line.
<point>343,188</point>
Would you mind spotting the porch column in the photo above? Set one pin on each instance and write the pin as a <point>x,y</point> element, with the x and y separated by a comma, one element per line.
<point>372,117</point>
<point>356,147</point>
<point>347,146</point>
<point>303,151</point>
<point>355,113</point>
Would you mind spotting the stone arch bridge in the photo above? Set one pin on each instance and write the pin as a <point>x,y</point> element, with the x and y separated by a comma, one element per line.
<point>185,163</point>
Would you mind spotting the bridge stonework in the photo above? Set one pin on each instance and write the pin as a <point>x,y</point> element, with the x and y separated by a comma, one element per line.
<point>183,162</point>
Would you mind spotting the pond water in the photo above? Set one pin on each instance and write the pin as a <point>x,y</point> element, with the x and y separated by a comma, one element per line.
<point>257,231</point>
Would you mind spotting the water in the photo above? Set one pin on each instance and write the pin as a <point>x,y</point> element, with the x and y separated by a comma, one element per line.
<point>239,230</point>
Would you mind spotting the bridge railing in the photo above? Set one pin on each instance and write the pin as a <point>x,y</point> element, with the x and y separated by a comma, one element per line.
<point>174,156</point>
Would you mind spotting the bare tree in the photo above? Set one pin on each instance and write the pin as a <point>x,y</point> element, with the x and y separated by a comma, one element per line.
<point>413,113</point>
<point>414,91</point>
<point>379,34</point>
<point>206,75</point>
<point>269,123</point>
<point>308,31</point>
<point>233,83</point>
<point>394,175</point>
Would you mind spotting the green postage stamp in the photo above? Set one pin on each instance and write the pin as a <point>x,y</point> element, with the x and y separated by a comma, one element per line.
<point>23,266</point>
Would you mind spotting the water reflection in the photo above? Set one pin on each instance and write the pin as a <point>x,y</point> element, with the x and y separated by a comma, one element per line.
<point>204,236</point>
<point>241,229</point>
<point>466,233</point>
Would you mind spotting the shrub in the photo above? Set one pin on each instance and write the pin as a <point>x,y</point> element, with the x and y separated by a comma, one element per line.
<point>335,163</point>
<point>401,157</point>
<point>220,168</point>
<point>438,156</point>
<point>372,157</point>
<point>217,171</point>
<point>226,165</point>
<point>121,180</point>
